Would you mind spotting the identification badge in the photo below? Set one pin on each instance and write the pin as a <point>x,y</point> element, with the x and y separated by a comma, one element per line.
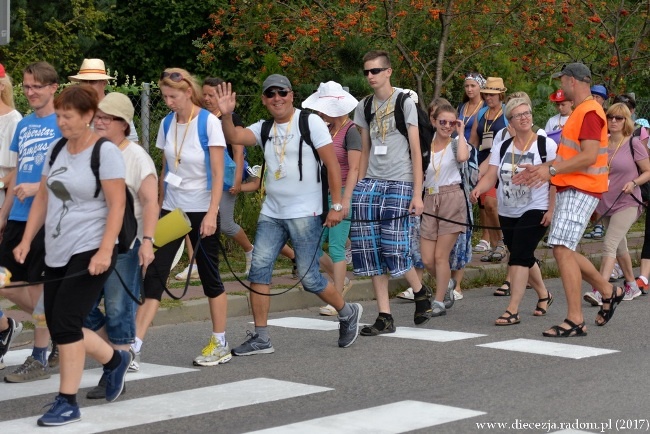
<point>281,172</point>
<point>381,150</point>
<point>173,179</point>
<point>432,190</point>
<point>486,143</point>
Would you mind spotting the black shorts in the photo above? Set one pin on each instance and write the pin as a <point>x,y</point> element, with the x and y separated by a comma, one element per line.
<point>32,269</point>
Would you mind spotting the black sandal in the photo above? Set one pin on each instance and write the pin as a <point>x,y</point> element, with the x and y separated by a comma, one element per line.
<point>511,319</point>
<point>549,300</point>
<point>560,332</point>
<point>503,292</point>
<point>613,301</point>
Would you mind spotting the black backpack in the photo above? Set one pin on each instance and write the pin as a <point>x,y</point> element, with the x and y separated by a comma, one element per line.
<point>129,229</point>
<point>425,129</point>
<point>305,135</point>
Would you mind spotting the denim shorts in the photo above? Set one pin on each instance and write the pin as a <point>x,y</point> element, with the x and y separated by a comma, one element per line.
<point>119,316</point>
<point>304,233</point>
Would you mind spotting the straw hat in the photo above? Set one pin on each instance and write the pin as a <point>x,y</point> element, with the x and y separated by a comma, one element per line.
<point>494,85</point>
<point>118,105</point>
<point>331,99</point>
<point>91,69</point>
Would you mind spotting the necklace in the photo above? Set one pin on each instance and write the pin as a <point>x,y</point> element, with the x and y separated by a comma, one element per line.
<point>279,151</point>
<point>341,127</point>
<point>523,152</point>
<point>436,170</point>
<point>380,116</point>
<point>177,150</point>
<point>609,163</point>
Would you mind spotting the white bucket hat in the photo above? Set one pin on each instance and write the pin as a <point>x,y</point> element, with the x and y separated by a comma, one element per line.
<point>118,105</point>
<point>91,69</point>
<point>331,99</point>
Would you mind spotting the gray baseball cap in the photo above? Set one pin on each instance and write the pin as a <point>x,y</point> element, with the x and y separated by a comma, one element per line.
<point>577,70</point>
<point>276,80</point>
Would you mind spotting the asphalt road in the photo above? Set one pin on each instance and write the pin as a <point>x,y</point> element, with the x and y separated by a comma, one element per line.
<point>435,385</point>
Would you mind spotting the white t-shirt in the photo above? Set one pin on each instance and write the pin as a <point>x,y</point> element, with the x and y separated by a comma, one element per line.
<point>289,197</point>
<point>192,195</point>
<point>8,159</point>
<point>556,123</point>
<point>139,165</point>
<point>500,137</point>
<point>515,200</point>
<point>449,174</point>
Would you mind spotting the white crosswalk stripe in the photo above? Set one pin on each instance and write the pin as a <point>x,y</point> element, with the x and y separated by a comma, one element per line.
<point>548,348</point>
<point>394,418</point>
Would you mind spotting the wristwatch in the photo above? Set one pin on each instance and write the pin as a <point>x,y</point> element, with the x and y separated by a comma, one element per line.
<point>150,239</point>
<point>552,170</point>
<point>337,206</point>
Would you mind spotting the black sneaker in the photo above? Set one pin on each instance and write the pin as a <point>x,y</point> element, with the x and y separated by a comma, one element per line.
<point>423,305</point>
<point>381,326</point>
<point>349,326</point>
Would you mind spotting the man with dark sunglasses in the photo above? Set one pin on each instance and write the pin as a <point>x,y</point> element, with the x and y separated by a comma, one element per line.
<point>580,174</point>
<point>388,195</point>
<point>292,208</point>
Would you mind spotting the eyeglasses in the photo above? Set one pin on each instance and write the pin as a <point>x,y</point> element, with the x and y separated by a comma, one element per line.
<point>444,123</point>
<point>34,87</point>
<point>373,71</point>
<point>176,77</point>
<point>615,118</point>
<point>106,120</point>
<point>525,114</point>
<point>270,93</point>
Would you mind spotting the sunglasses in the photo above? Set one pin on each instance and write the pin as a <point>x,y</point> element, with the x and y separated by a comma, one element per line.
<point>615,118</point>
<point>176,77</point>
<point>373,71</point>
<point>444,123</point>
<point>270,93</point>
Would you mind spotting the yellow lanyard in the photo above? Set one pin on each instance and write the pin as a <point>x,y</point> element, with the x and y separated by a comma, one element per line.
<point>436,171</point>
<point>609,164</point>
<point>178,151</point>
<point>383,128</point>
<point>478,106</point>
<point>341,127</point>
<point>523,152</point>
<point>486,128</point>
<point>280,154</point>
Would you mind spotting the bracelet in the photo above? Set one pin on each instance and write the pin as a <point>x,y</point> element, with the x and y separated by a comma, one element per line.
<point>635,184</point>
<point>148,238</point>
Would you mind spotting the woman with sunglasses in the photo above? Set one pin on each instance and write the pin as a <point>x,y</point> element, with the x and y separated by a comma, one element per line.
<point>524,212</point>
<point>193,146</point>
<point>627,161</point>
<point>444,197</point>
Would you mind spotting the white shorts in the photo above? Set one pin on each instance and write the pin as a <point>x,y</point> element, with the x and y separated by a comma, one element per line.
<point>573,209</point>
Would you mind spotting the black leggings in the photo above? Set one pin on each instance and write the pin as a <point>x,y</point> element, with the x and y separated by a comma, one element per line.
<point>521,235</point>
<point>207,261</point>
<point>69,301</point>
<point>645,251</point>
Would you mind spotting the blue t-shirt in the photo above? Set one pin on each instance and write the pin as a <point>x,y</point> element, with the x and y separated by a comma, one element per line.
<point>32,139</point>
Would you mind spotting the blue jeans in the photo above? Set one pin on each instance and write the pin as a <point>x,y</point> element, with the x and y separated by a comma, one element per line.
<point>119,318</point>
<point>272,234</point>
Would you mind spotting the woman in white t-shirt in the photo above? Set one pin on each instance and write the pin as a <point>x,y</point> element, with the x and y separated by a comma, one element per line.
<point>443,197</point>
<point>9,118</point>
<point>524,213</point>
<point>191,179</point>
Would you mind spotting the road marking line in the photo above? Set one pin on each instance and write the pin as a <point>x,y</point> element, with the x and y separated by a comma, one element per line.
<point>90,378</point>
<point>394,418</point>
<point>430,334</point>
<point>185,403</point>
<point>292,322</point>
<point>549,348</point>
<point>17,357</point>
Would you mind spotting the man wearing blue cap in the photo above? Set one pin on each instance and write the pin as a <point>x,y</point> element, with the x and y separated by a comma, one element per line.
<point>599,92</point>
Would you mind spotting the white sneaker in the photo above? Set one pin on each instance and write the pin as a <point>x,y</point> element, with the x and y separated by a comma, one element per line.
<point>406,295</point>
<point>213,354</point>
<point>183,274</point>
<point>617,273</point>
<point>328,311</point>
<point>632,291</point>
<point>458,295</point>
<point>134,366</point>
<point>594,298</point>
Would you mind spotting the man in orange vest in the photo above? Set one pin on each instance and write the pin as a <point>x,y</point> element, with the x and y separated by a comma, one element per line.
<point>580,174</point>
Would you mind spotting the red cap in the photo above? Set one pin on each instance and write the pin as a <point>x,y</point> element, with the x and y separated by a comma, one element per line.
<point>557,96</point>
<point>2,71</point>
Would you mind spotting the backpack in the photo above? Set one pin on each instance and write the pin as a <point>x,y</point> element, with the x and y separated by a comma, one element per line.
<point>129,229</point>
<point>645,187</point>
<point>425,129</point>
<point>202,126</point>
<point>305,135</point>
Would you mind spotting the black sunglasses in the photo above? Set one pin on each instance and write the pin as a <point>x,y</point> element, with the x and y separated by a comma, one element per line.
<point>176,77</point>
<point>270,93</point>
<point>616,118</point>
<point>373,71</point>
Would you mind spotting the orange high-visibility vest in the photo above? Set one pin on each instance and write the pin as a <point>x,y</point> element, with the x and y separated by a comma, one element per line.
<point>594,178</point>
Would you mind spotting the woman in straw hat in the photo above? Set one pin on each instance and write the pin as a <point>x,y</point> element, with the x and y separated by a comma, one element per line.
<point>489,121</point>
<point>333,104</point>
<point>9,118</point>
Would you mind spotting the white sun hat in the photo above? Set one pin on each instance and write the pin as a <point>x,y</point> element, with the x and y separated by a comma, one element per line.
<point>91,69</point>
<point>331,99</point>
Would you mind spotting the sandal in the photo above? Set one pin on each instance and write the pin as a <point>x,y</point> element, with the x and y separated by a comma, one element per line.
<point>561,332</point>
<point>482,246</point>
<point>503,292</point>
<point>510,319</point>
<point>596,233</point>
<point>495,255</point>
<point>613,302</point>
<point>549,300</point>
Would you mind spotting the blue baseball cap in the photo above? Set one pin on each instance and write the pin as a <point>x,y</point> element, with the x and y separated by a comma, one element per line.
<point>599,90</point>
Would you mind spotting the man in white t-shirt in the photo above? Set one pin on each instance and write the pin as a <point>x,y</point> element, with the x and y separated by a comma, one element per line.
<point>564,108</point>
<point>293,205</point>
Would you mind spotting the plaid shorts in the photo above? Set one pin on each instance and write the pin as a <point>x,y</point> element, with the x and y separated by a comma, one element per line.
<point>573,209</point>
<point>380,230</point>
